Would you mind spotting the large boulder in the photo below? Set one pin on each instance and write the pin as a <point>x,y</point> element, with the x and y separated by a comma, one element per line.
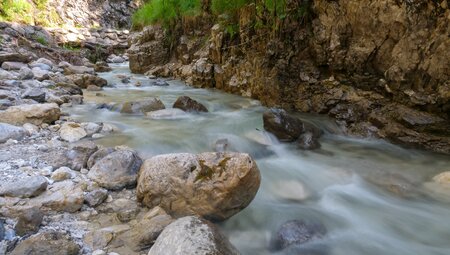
<point>142,106</point>
<point>26,187</point>
<point>8,131</point>
<point>212,185</point>
<point>188,104</point>
<point>54,243</point>
<point>116,170</point>
<point>33,113</point>
<point>192,236</point>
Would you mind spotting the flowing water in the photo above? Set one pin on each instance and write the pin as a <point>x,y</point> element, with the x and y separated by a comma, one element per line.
<point>373,197</point>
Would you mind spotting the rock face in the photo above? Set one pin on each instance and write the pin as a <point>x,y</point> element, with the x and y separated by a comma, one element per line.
<point>34,113</point>
<point>116,170</point>
<point>381,65</point>
<point>189,236</point>
<point>8,131</point>
<point>142,106</point>
<point>47,243</point>
<point>188,104</point>
<point>213,185</point>
<point>297,232</point>
<point>27,187</point>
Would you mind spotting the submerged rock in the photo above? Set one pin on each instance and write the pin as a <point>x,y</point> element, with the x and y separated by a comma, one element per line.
<point>33,113</point>
<point>142,106</point>
<point>54,243</point>
<point>167,114</point>
<point>285,127</point>
<point>212,185</point>
<point>442,178</point>
<point>116,170</point>
<point>192,236</point>
<point>297,232</point>
<point>188,104</point>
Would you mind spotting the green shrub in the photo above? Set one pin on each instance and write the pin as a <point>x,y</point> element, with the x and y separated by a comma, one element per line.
<point>16,10</point>
<point>165,12</point>
<point>42,40</point>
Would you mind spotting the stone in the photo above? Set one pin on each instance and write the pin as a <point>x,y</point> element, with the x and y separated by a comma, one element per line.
<point>61,174</point>
<point>96,156</point>
<point>98,252</point>
<point>43,61</point>
<point>93,88</point>
<point>40,74</point>
<point>172,113</point>
<point>5,75</point>
<point>125,209</point>
<point>143,235</point>
<point>309,139</point>
<point>72,132</point>
<point>35,94</point>
<point>25,187</point>
<point>116,170</point>
<point>291,190</point>
<point>70,69</point>
<point>188,104</point>
<point>84,80</point>
<point>442,178</point>
<point>54,243</point>
<point>13,56</point>
<point>91,128</point>
<point>102,66</point>
<point>25,73</point>
<point>36,114</point>
<point>8,131</point>
<point>69,89</point>
<point>79,153</point>
<point>13,66</point>
<point>29,221</point>
<point>192,235</point>
<point>115,59</point>
<point>31,129</point>
<point>64,196</point>
<point>188,184</point>
<point>142,106</point>
<point>297,232</point>
<point>285,127</point>
<point>96,197</point>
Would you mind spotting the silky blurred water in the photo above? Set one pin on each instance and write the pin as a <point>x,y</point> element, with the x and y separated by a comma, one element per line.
<point>373,197</point>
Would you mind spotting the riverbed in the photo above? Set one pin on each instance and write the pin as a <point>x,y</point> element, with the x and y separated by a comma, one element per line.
<point>373,197</point>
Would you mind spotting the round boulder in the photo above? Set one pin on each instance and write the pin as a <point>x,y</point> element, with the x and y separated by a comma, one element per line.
<point>116,170</point>
<point>212,185</point>
<point>297,232</point>
<point>192,235</point>
<point>188,104</point>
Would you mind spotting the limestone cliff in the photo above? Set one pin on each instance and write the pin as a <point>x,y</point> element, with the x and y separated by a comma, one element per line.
<point>380,69</point>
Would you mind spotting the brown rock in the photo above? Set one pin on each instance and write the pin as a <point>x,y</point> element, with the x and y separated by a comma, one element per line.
<point>33,113</point>
<point>188,104</point>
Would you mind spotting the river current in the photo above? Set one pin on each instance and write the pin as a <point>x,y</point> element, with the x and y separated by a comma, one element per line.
<point>373,197</point>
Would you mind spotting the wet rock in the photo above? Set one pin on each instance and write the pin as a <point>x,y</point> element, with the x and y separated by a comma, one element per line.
<point>297,232</point>
<point>192,235</point>
<point>47,243</point>
<point>166,114</point>
<point>143,235</point>
<point>101,153</point>
<point>13,66</point>
<point>29,221</point>
<point>101,67</point>
<point>188,104</point>
<point>79,154</point>
<point>26,187</point>
<point>285,127</point>
<point>64,196</point>
<point>184,184</point>
<point>35,94</point>
<point>72,132</point>
<point>8,131</point>
<point>96,197</point>
<point>142,106</point>
<point>25,73</point>
<point>116,170</point>
<point>61,174</point>
<point>70,69</point>
<point>308,141</point>
<point>34,113</point>
<point>290,190</point>
<point>91,128</point>
<point>115,59</point>
<point>93,88</point>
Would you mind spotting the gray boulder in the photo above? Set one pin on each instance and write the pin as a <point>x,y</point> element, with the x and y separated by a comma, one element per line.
<point>35,94</point>
<point>40,74</point>
<point>116,170</point>
<point>13,66</point>
<point>25,73</point>
<point>142,106</point>
<point>297,232</point>
<point>79,154</point>
<point>8,131</point>
<point>192,236</point>
<point>188,104</point>
<point>26,187</point>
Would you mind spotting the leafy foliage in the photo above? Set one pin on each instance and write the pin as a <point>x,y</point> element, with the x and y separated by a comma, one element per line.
<point>16,10</point>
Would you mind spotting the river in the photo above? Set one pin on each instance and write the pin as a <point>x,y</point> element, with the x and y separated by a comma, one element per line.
<point>373,197</point>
